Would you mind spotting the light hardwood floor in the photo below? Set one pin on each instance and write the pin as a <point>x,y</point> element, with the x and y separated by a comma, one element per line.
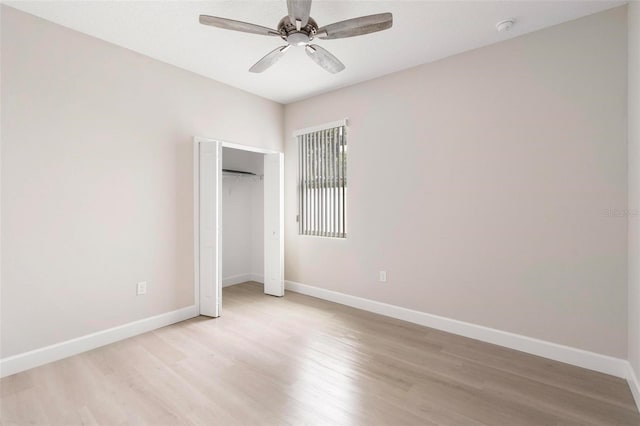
<point>298,360</point>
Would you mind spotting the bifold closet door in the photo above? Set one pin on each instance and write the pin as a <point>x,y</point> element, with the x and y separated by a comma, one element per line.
<point>210,244</point>
<point>274,224</point>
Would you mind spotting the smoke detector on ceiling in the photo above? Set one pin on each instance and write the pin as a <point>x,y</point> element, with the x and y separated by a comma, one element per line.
<point>504,26</point>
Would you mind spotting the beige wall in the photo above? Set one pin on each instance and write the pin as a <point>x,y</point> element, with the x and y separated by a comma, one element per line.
<point>97,179</point>
<point>634,184</point>
<point>481,184</point>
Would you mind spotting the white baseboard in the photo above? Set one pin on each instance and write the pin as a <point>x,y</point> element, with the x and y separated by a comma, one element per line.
<point>578,357</point>
<point>241,278</point>
<point>259,278</point>
<point>634,385</point>
<point>235,279</point>
<point>24,361</point>
<point>574,356</point>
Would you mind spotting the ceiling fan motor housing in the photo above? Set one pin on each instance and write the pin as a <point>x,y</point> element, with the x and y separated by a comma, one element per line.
<point>295,37</point>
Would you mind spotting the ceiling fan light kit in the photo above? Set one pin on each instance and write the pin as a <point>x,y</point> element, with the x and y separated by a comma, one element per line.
<point>299,29</point>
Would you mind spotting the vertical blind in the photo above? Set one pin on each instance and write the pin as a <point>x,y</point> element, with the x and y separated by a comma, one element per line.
<point>322,182</point>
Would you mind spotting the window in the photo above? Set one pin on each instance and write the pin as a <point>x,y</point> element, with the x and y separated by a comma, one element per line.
<point>322,181</point>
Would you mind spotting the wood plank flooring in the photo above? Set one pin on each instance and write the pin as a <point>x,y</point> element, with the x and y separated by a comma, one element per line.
<point>303,361</point>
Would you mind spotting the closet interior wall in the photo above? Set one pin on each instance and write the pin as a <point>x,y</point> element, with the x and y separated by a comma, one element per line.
<point>242,218</point>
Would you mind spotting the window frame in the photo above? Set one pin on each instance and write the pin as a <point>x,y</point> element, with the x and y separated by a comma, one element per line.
<point>300,186</point>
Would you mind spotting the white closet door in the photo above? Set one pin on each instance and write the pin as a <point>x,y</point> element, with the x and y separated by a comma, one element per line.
<point>274,224</point>
<point>210,190</point>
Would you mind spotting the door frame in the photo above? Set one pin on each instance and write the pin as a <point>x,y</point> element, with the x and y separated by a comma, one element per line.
<point>273,224</point>
<point>196,202</point>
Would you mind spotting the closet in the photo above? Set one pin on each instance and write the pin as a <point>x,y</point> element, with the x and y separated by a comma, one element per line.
<point>238,220</point>
<point>242,216</point>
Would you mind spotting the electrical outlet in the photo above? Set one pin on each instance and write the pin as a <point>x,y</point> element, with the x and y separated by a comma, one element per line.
<point>141,288</point>
<point>383,276</point>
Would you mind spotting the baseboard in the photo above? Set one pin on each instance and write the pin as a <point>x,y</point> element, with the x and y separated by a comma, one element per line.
<point>259,278</point>
<point>235,279</point>
<point>634,385</point>
<point>241,278</point>
<point>574,356</point>
<point>24,361</point>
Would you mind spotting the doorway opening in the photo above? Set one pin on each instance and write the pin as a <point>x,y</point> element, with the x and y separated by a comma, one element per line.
<point>242,216</point>
<point>238,220</point>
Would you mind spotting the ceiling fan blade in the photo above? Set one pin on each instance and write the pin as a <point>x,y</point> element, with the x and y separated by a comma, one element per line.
<point>269,59</point>
<point>356,26</point>
<point>299,10</point>
<point>325,59</point>
<point>230,24</point>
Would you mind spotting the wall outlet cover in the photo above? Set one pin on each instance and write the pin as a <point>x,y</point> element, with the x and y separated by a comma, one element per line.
<point>141,288</point>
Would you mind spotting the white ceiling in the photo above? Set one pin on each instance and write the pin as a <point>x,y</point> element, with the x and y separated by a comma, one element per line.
<point>423,31</point>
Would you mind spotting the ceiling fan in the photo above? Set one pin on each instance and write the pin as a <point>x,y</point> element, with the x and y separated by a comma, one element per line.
<point>299,29</point>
